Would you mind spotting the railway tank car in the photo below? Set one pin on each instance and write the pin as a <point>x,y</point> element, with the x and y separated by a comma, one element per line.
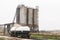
<point>20,31</point>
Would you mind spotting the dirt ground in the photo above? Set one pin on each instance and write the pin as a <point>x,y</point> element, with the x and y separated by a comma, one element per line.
<point>13,38</point>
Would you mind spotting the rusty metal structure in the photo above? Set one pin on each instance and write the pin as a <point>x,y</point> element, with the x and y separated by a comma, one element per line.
<point>27,16</point>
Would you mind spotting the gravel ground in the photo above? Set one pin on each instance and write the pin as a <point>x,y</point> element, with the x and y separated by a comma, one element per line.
<point>13,38</point>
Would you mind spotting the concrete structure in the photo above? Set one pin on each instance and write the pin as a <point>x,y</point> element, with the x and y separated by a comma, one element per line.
<point>27,16</point>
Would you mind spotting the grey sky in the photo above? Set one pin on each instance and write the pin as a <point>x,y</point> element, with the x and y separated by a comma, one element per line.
<point>49,12</point>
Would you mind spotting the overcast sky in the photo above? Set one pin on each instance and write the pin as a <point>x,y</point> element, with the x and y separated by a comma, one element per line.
<point>49,12</point>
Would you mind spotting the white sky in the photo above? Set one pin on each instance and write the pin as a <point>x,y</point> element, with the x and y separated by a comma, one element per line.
<point>49,12</point>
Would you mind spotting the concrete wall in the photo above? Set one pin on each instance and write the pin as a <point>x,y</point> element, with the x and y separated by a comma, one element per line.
<point>30,16</point>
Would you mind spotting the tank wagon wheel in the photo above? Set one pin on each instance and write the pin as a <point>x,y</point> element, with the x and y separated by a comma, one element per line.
<point>28,36</point>
<point>11,35</point>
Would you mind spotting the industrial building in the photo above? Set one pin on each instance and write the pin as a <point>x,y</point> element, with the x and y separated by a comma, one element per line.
<point>24,16</point>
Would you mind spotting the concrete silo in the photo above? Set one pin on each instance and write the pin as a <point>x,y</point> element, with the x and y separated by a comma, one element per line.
<point>27,16</point>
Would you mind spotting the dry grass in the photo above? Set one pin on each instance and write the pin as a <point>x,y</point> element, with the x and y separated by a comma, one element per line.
<point>42,36</point>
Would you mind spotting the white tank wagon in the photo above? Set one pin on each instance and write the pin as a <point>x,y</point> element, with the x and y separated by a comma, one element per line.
<point>20,31</point>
